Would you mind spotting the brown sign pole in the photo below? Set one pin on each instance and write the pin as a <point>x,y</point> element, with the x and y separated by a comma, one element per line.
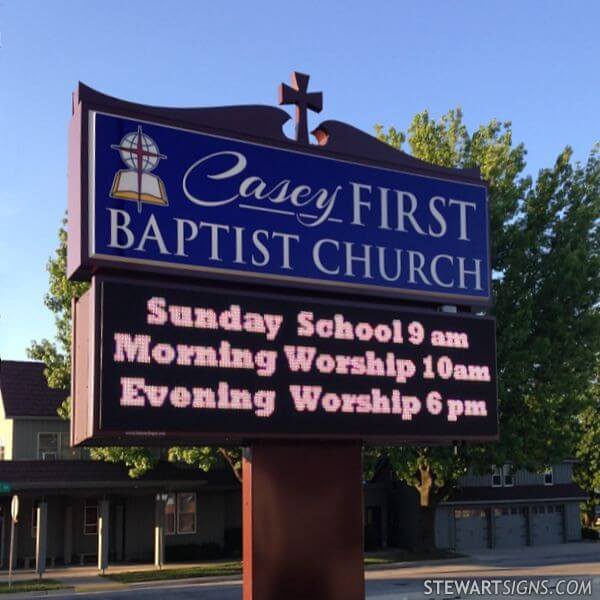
<point>302,502</point>
<point>302,516</point>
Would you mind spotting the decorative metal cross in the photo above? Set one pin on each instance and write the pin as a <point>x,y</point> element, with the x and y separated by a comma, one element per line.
<point>303,100</point>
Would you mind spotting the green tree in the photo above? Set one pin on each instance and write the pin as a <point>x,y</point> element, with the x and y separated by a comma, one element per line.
<point>56,356</point>
<point>545,260</point>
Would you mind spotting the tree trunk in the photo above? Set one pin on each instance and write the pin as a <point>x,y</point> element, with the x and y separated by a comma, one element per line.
<point>587,520</point>
<point>426,532</point>
<point>230,461</point>
<point>427,505</point>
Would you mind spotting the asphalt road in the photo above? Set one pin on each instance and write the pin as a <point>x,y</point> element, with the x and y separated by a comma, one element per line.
<point>382,589</point>
<point>580,562</point>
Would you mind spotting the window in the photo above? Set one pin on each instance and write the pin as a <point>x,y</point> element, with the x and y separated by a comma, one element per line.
<point>186,513</point>
<point>180,513</point>
<point>90,517</point>
<point>468,513</point>
<point>48,446</point>
<point>496,477</point>
<point>503,476</point>
<point>549,477</point>
<point>1,452</point>
<point>170,515</point>
<point>509,479</point>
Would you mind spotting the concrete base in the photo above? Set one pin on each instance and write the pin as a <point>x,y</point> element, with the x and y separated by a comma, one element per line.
<point>303,522</point>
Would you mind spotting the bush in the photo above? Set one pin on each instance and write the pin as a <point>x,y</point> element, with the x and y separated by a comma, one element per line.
<point>590,534</point>
<point>188,552</point>
<point>233,541</point>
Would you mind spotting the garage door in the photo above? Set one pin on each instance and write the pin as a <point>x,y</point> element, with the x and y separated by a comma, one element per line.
<point>511,526</point>
<point>548,524</point>
<point>472,529</point>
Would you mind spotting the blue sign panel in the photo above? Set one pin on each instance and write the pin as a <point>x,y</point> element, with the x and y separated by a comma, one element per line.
<point>167,197</point>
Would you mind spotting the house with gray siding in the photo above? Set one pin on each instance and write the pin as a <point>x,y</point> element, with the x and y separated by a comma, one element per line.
<point>502,509</point>
<point>511,509</point>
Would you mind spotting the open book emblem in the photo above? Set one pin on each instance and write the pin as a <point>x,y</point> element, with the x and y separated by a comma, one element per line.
<point>140,153</point>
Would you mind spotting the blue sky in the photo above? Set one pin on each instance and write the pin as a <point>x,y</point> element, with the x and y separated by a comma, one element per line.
<point>531,62</point>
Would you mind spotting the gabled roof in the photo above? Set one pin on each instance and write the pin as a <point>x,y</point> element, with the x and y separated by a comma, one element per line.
<point>25,391</point>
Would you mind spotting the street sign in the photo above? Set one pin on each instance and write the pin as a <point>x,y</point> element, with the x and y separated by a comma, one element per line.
<point>14,513</point>
<point>14,508</point>
<point>5,487</point>
<point>192,363</point>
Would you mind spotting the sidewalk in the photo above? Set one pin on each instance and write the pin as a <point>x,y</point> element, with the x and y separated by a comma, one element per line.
<point>88,579</point>
<point>541,554</point>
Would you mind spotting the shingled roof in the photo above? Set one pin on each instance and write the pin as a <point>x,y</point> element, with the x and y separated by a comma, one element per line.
<point>25,391</point>
<point>563,491</point>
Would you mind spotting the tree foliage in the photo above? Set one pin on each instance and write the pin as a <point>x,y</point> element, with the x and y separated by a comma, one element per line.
<point>587,470</point>
<point>205,458</point>
<point>545,258</point>
<point>56,356</point>
<point>546,264</point>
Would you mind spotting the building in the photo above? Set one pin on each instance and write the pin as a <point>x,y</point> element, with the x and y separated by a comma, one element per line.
<point>509,510</point>
<point>177,512</point>
<point>503,509</point>
<point>199,514</point>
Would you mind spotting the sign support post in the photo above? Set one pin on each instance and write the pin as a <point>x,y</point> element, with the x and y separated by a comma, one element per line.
<point>159,530</point>
<point>303,515</point>
<point>14,514</point>
<point>103,533</point>
<point>41,538</point>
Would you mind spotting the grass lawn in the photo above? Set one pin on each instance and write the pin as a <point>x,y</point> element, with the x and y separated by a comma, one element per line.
<point>32,585</point>
<point>394,556</point>
<point>218,569</point>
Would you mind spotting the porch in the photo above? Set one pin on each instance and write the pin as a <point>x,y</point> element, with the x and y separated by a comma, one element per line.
<point>92,513</point>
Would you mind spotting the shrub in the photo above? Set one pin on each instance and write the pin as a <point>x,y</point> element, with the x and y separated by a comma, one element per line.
<point>587,533</point>
<point>188,552</point>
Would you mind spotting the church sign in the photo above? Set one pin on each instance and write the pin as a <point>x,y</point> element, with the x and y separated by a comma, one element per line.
<point>193,194</point>
<point>297,299</point>
<point>179,363</point>
<point>246,286</point>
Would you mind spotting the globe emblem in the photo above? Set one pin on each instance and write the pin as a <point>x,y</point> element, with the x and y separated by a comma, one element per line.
<point>130,147</point>
<point>140,154</point>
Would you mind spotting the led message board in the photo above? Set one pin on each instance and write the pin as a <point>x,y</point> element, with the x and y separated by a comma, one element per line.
<point>204,364</point>
<point>170,195</point>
